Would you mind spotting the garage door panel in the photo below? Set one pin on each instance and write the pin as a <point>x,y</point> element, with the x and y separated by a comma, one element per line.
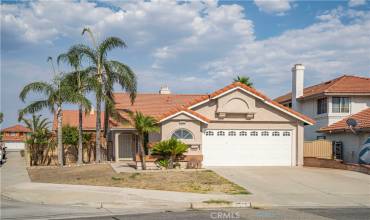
<point>247,150</point>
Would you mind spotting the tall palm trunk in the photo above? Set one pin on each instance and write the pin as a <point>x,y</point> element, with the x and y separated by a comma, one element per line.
<point>106,129</point>
<point>59,136</point>
<point>142,152</point>
<point>80,154</point>
<point>98,128</point>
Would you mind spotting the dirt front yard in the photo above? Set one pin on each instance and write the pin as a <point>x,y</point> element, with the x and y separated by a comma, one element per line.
<point>198,181</point>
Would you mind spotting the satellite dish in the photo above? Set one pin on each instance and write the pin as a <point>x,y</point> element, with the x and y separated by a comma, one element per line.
<point>351,122</point>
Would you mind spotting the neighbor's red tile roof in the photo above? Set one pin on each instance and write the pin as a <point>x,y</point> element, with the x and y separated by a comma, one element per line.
<point>362,118</point>
<point>70,117</point>
<point>16,128</point>
<point>343,84</point>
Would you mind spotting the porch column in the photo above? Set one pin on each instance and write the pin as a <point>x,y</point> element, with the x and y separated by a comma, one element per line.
<point>116,146</point>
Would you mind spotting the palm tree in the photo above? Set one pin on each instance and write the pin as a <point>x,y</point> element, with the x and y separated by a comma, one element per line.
<point>107,72</point>
<point>36,123</point>
<point>81,83</point>
<point>143,125</point>
<point>244,79</point>
<point>170,149</point>
<point>39,138</point>
<point>56,93</point>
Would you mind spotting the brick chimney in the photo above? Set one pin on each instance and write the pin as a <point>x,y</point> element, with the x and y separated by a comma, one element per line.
<point>164,90</point>
<point>297,85</point>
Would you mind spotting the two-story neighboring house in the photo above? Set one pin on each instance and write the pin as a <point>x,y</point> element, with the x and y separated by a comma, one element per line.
<point>328,102</point>
<point>14,137</point>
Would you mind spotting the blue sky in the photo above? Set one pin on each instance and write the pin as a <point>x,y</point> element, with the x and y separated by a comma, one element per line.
<point>193,47</point>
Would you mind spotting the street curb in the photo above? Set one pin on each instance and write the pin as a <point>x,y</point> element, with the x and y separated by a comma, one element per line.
<point>204,205</point>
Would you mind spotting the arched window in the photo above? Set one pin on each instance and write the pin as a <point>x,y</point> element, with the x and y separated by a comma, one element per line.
<point>254,133</point>
<point>264,133</point>
<point>182,134</point>
<point>286,133</point>
<point>220,133</point>
<point>275,133</point>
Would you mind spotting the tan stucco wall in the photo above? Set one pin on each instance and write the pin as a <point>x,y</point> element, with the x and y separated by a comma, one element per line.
<point>263,111</point>
<point>183,121</point>
<point>299,144</point>
<point>266,117</point>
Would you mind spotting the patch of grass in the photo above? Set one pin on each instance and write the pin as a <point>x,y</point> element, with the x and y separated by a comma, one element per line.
<point>197,181</point>
<point>116,178</point>
<point>217,201</point>
<point>134,175</point>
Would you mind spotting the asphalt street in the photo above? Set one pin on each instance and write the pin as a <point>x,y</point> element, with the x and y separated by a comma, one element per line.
<point>257,214</point>
<point>11,210</point>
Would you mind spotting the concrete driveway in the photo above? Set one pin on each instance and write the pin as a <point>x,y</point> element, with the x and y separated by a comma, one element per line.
<point>301,186</point>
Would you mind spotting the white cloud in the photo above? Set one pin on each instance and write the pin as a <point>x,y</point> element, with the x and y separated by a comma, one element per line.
<point>278,7</point>
<point>328,48</point>
<point>354,3</point>
<point>191,46</point>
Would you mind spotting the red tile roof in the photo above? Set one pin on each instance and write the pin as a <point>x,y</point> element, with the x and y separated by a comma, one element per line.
<point>362,118</point>
<point>343,84</point>
<point>161,106</point>
<point>253,91</point>
<point>184,109</point>
<point>155,105</point>
<point>16,128</point>
<point>70,117</point>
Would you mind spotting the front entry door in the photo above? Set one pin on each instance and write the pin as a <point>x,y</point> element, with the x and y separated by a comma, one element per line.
<point>125,146</point>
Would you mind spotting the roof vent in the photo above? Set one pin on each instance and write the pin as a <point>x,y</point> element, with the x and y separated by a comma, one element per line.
<point>164,90</point>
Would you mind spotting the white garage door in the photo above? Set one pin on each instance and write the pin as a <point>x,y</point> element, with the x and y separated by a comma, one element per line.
<point>14,146</point>
<point>247,148</point>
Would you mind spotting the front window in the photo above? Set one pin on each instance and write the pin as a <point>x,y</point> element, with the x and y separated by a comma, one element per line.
<point>232,133</point>
<point>182,134</point>
<point>322,106</point>
<point>340,104</point>
<point>275,133</point>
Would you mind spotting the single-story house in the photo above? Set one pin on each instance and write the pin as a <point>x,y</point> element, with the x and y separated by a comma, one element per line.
<point>233,126</point>
<point>14,137</point>
<point>352,138</point>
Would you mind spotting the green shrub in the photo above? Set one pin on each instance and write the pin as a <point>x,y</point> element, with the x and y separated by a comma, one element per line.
<point>170,149</point>
<point>163,163</point>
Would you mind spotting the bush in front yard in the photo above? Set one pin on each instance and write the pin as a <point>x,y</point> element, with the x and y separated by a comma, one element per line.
<point>171,150</point>
<point>163,163</point>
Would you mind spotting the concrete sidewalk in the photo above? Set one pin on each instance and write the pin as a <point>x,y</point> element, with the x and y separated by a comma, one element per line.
<point>108,197</point>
